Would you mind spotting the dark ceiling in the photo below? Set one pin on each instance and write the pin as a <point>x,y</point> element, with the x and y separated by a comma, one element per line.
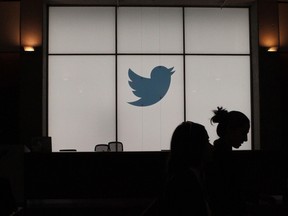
<point>204,3</point>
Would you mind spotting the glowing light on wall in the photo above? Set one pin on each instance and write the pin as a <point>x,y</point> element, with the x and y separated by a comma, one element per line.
<point>268,25</point>
<point>272,49</point>
<point>29,49</point>
<point>31,40</point>
<point>31,23</point>
<point>269,39</point>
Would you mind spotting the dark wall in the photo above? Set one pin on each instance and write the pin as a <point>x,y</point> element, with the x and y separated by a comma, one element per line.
<point>9,72</point>
<point>283,66</point>
<point>30,99</point>
<point>31,70</point>
<point>272,78</point>
<point>137,175</point>
<point>9,98</point>
<point>270,100</point>
<point>273,88</point>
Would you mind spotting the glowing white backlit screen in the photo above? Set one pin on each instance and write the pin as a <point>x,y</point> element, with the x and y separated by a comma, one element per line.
<point>133,74</point>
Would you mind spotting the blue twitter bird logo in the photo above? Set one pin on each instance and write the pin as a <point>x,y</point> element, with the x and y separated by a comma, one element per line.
<point>150,90</point>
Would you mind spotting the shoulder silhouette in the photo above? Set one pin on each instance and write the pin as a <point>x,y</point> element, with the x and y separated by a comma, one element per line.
<point>223,184</point>
<point>185,192</point>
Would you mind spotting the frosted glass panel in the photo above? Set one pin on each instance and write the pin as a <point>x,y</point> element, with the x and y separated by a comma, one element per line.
<point>149,128</point>
<point>216,30</point>
<point>150,30</point>
<point>81,101</point>
<point>82,91</point>
<point>81,29</point>
<point>213,81</point>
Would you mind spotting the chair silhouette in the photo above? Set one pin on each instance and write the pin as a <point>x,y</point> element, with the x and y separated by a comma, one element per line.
<point>115,146</point>
<point>101,148</point>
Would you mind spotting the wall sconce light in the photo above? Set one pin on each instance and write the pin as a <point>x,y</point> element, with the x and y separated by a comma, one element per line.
<point>29,49</point>
<point>272,49</point>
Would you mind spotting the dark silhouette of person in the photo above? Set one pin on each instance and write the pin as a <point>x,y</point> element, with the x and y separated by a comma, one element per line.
<point>223,184</point>
<point>185,191</point>
<point>7,202</point>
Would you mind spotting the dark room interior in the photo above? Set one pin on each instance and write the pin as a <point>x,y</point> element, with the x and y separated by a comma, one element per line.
<point>127,183</point>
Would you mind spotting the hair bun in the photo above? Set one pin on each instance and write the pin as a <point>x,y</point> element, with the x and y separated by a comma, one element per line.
<point>220,115</point>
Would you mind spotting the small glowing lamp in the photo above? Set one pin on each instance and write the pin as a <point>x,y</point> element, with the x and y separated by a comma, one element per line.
<point>272,49</point>
<point>29,49</point>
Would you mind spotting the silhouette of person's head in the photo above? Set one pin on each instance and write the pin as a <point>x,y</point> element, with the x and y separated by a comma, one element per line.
<point>188,145</point>
<point>232,128</point>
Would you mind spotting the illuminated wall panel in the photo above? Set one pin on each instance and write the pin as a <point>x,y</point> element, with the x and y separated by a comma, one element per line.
<point>216,30</point>
<point>150,30</point>
<point>149,128</point>
<point>91,98</point>
<point>81,30</point>
<point>213,81</point>
<point>81,101</point>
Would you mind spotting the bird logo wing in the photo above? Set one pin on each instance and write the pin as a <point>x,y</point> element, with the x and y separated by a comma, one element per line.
<point>138,83</point>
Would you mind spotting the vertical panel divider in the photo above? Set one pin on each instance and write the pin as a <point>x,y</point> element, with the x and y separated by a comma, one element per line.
<point>45,79</point>
<point>116,74</point>
<point>184,62</point>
